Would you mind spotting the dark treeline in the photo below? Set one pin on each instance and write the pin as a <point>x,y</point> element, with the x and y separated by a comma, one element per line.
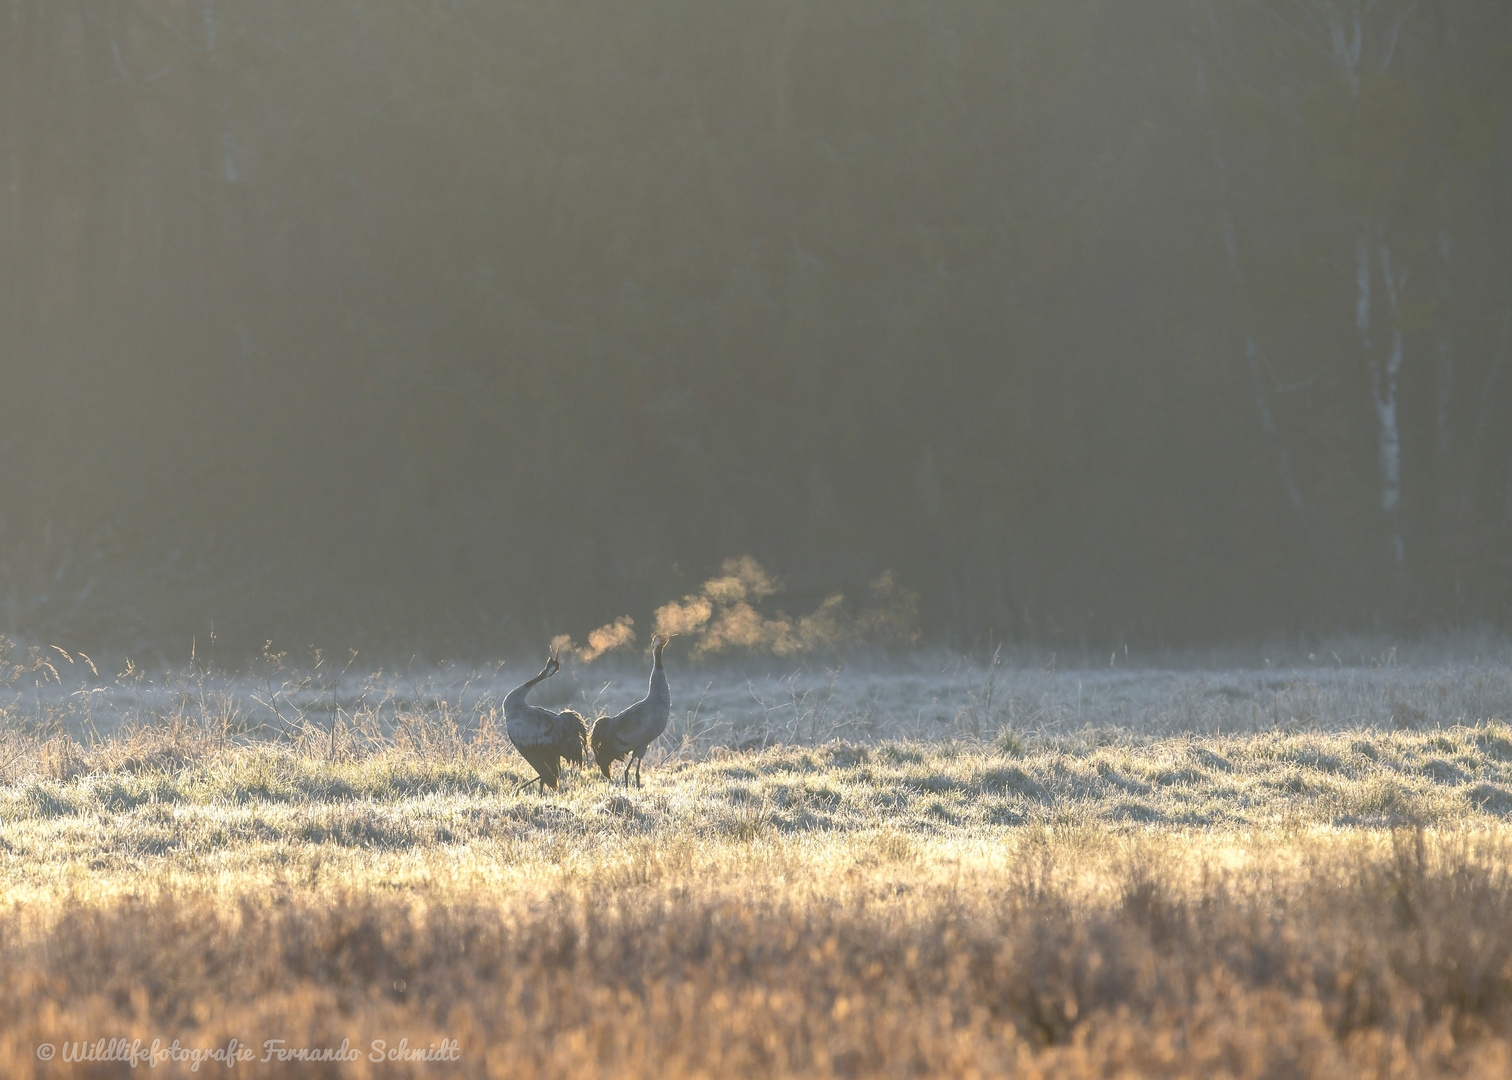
<point>453,323</point>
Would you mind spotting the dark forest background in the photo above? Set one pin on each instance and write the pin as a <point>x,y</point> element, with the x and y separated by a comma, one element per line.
<point>448,324</point>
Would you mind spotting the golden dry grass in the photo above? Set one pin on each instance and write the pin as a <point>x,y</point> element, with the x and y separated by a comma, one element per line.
<point>1049,952</point>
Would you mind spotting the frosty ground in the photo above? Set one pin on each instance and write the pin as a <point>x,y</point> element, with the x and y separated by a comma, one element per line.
<point>931,864</point>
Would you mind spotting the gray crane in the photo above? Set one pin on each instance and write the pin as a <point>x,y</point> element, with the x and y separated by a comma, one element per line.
<point>635,729</point>
<point>541,736</point>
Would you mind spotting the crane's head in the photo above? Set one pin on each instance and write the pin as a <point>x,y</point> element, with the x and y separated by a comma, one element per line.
<point>598,742</point>
<point>575,740</point>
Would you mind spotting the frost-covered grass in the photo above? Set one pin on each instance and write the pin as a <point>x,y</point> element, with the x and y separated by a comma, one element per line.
<point>264,808</point>
<point>838,883</point>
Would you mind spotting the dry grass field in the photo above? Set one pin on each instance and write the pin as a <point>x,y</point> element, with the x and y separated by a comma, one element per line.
<point>968,872</point>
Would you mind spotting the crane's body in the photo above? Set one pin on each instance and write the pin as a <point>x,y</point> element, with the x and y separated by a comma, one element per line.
<point>541,736</point>
<point>633,731</point>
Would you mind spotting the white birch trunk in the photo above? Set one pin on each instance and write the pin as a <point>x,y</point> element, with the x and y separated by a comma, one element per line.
<point>1446,357</point>
<point>1383,382</point>
<point>1351,33</point>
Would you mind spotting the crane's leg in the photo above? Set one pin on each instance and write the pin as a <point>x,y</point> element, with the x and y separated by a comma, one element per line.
<point>637,770</point>
<point>626,778</point>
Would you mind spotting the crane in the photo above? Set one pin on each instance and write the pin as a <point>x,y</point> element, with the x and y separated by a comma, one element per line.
<point>541,736</point>
<point>635,729</point>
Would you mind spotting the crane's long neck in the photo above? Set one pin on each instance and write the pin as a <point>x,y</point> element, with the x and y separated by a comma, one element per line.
<point>516,697</point>
<point>659,690</point>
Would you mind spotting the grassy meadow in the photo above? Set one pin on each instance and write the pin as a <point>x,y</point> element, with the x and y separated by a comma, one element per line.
<point>964,871</point>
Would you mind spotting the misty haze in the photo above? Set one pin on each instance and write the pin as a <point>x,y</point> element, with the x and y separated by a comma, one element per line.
<point>838,539</point>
